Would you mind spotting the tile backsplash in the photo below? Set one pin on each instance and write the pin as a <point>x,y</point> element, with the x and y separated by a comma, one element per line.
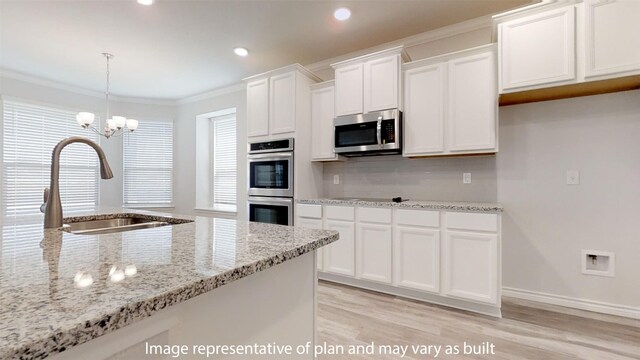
<point>416,179</point>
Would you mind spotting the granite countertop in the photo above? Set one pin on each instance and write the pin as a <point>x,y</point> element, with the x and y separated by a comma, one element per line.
<point>57,289</point>
<point>411,204</point>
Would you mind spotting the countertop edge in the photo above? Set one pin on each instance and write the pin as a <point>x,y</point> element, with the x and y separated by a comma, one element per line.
<point>417,204</point>
<point>62,339</point>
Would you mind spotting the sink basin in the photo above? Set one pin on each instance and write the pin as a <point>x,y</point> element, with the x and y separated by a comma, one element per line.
<point>119,223</point>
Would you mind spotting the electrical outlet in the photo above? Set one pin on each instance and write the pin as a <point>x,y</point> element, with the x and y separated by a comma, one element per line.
<point>336,179</point>
<point>573,177</point>
<point>466,178</point>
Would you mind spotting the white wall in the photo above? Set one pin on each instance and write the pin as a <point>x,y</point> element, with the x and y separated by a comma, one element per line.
<point>185,148</point>
<point>546,222</point>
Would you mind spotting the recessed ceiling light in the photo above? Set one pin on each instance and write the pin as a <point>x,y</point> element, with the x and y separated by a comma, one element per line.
<point>145,2</point>
<point>241,51</point>
<point>342,13</point>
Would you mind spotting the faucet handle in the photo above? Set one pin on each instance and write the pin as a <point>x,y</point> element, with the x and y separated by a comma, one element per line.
<point>45,197</point>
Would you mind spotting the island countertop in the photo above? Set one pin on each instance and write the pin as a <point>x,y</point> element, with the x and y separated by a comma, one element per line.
<point>410,204</point>
<point>58,290</point>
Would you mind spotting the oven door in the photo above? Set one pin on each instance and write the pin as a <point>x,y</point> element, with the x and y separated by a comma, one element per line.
<point>271,174</point>
<point>271,210</point>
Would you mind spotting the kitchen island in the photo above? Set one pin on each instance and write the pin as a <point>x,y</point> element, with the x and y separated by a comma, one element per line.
<point>207,282</point>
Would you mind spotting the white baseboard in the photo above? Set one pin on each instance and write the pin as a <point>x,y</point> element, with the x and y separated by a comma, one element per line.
<point>576,303</point>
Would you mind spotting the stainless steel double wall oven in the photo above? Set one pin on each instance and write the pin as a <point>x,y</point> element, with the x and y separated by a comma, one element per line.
<point>271,181</point>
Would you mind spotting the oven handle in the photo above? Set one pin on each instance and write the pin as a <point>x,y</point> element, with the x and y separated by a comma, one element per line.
<point>271,155</point>
<point>379,131</point>
<point>269,200</point>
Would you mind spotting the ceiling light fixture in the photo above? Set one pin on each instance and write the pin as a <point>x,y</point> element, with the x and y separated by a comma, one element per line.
<point>145,2</point>
<point>342,13</point>
<point>114,126</point>
<point>241,51</point>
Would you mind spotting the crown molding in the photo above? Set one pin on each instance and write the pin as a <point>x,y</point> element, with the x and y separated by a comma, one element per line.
<point>36,80</point>
<point>211,94</point>
<point>285,69</point>
<point>411,41</point>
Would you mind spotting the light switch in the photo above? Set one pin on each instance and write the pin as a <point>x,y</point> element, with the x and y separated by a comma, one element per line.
<point>573,177</point>
<point>466,178</point>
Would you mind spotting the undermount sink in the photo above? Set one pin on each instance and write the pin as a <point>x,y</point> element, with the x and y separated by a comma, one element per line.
<point>119,223</point>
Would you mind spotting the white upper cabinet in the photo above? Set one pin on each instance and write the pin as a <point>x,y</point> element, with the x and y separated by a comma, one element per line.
<point>537,50</point>
<point>381,86</point>
<point>277,101</point>
<point>612,37</point>
<point>472,103</point>
<point>282,105</point>
<point>369,83</point>
<point>322,110</point>
<point>574,43</point>
<point>258,108</point>
<point>349,90</point>
<point>424,105</point>
<point>451,104</point>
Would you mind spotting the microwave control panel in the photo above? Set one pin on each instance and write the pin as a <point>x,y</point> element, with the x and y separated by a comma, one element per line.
<point>388,131</point>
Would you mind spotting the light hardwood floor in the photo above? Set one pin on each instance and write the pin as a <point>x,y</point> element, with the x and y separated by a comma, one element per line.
<point>528,330</point>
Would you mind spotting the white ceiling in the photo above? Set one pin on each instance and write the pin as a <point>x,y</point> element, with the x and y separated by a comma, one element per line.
<point>178,48</point>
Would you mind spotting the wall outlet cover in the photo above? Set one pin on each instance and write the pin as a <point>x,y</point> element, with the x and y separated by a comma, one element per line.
<point>466,178</point>
<point>336,179</point>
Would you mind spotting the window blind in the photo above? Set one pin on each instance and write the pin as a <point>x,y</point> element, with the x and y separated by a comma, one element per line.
<point>148,164</point>
<point>224,163</point>
<point>30,133</point>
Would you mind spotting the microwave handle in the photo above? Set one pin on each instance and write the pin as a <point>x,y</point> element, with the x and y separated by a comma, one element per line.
<point>379,132</point>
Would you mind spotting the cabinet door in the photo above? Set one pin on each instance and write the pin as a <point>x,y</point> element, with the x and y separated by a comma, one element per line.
<point>417,258</point>
<point>322,107</point>
<point>472,103</point>
<point>381,85</point>
<point>312,224</point>
<point>258,108</point>
<point>424,99</point>
<point>612,44</point>
<point>349,85</point>
<point>537,50</point>
<point>471,266</point>
<point>339,256</point>
<point>282,103</point>
<point>373,252</point>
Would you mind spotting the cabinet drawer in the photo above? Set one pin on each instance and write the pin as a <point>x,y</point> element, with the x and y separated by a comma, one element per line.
<point>345,213</point>
<point>309,211</point>
<point>418,217</point>
<point>374,215</point>
<point>472,221</point>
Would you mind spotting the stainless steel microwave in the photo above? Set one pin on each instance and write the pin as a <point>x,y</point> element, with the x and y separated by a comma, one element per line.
<point>375,133</point>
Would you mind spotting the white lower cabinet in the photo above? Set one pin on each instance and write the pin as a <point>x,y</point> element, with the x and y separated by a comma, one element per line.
<point>339,257</point>
<point>417,258</point>
<point>470,266</point>
<point>373,252</point>
<point>451,258</point>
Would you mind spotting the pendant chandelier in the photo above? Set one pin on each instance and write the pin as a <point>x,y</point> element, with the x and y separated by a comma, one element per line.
<point>115,126</point>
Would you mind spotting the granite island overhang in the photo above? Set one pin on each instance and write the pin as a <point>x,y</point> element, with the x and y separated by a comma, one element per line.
<point>60,293</point>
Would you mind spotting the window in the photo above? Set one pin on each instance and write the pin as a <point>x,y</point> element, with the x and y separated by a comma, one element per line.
<point>223,162</point>
<point>148,165</point>
<point>30,133</point>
